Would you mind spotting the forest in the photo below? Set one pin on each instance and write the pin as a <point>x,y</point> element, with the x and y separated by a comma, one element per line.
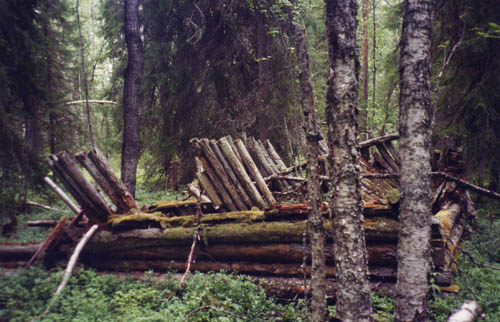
<point>243,160</point>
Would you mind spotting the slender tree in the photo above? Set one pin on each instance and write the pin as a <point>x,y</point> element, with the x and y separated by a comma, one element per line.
<point>313,136</point>
<point>88,107</point>
<point>353,289</point>
<point>414,129</point>
<point>133,80</point>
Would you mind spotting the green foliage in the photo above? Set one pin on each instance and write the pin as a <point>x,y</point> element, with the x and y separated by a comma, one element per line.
<point>90,297</point>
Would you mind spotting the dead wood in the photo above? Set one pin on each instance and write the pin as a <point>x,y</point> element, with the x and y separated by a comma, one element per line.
<point>76,209</point>
<point>467,312</point>
<point>41,223</point>
<point>71,266</point>
<point>380,139</point>
<point>116,184</point>
<point>53,237</point>
<point>39,205</point>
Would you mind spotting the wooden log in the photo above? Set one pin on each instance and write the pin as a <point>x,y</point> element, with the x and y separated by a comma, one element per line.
<point>87,163</point>
<point>209,189</point>
<point>53,237</point>
<point>380,230</point>
<point>218,185</point>
<point>273,166</point>
<point>383,255</point>
<point>195,192</point>
<point>38,205</point>
<point>447,217</point>
<point>100,203</point>
<point>468,185</point>
<point>16,252</point>
<point>251,268</point>
<point>250,164</point>
<point>73,188</point>
<point>387,157</point>
<point>380,160</point>
<point>467,312</point>
<point>117,185</point>
<point>380,139</point>
<point>76,209</point>
<point>218,168</point>
<point>41,223</point>
<point>275,156</point>
<point>241,173</point>
<point>394,153</point>
<point>258,157</point>
<point>239,188</point>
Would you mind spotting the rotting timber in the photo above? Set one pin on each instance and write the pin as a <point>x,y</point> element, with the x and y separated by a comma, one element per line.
<point>253,217</point>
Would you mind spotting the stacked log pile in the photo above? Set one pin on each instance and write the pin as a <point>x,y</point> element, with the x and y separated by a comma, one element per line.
<point>245,229</point>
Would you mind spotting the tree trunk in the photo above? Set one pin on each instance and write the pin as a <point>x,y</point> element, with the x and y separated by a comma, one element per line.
<point>313,136</point>
<point>88,107</point>
<point>131,91</point>
<point>414,129</point>
<point>363,117</point>
<point>353,296</point>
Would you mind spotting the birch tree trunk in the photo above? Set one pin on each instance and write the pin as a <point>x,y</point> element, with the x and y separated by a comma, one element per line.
<point>131,91</point>
<point>414,129</point>
<point>353,295</point>
<point>313,136</point>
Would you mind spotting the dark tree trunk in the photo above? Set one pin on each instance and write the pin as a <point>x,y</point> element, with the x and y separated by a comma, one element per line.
<point>414,129</point>
<point>353,296</point>
<point>313,136</point>
<point>131,89</point>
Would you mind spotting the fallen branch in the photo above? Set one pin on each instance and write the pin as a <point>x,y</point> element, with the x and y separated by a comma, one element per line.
<point>90,101</point>
<point>468,312</point>
<point>468,185</point>
<point>54,236</point>
<point>71,266</point>
<point>41,223</point>
<point>39,205</point>
<point>76,209</point>
<point>196,237</point>
<point>478,263</point>
<point>380,139</point>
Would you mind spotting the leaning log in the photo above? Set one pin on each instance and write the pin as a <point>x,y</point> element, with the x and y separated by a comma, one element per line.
<point>218,168</point>
<point>218,184</point>
<point>209,189</point>
<point>53,237</point>
<point>250,164</point>
<point>117,185</point>
<point>241,173</point>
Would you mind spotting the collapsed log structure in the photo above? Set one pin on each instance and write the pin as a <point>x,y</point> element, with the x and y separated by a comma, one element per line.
<point>254,219</point>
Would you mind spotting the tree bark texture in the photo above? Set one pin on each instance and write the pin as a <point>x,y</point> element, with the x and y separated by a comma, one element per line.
<point>313,136</point>
<point>414,129</point>
<point>353,296</point>
<point>131,91</point>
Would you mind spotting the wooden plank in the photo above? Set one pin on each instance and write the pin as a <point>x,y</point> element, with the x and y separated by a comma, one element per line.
<point>209,189</point>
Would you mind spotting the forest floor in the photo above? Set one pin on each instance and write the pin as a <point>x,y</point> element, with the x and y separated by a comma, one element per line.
<point>219,296</point>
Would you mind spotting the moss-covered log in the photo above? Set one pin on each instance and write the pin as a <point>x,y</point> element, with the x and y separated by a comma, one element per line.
<point>380,230</point>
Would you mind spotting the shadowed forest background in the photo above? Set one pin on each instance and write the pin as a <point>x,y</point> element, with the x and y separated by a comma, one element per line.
<point>215,68</point>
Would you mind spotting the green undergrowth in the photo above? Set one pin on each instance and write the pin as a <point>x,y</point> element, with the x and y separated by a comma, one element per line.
<point>94,297</point>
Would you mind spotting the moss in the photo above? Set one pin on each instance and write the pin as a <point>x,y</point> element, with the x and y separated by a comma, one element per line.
<point>445,223</point>
<point>118,220</point>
